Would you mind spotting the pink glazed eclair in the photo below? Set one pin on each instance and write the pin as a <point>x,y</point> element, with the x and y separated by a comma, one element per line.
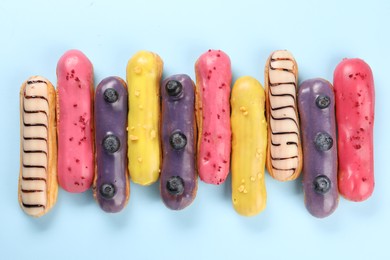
<point>355,111</point>
<point>213,80</point>
<point>75,122</point>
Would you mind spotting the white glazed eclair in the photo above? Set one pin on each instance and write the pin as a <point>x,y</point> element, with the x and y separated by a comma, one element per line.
<point>38,185</point>
<point>284,150</point>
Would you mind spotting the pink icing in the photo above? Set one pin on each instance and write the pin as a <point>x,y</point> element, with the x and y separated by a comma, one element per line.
<point>355,111</point>
<point>214,78</point>
<point>75,129</point>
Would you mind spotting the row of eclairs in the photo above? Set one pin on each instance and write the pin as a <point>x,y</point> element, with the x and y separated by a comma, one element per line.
<point>148,129</point>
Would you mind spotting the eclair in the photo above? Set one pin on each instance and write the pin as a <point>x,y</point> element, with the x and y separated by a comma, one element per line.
<point>38,185</point>
<point>178,181</point>
<point>317,115</point>
<point>144,72</point>
<point>249,143</point>
<point>284,150</point>
<point>355,111</point>
<point>75,122</point>
<point>213,79</point>
<point>111,185</point>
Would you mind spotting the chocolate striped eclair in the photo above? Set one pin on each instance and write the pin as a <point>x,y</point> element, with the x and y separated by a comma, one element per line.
<point>38,185</point>
<point>284,151</point>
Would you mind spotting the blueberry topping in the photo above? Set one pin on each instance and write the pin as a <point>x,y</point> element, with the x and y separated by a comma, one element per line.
<point>175,185</point>
<point>173,88</point>
<point>107,191</point>
<point>321,184</point>
<point>111,143</point>
<point>110,95</point>
<point>178,140</point>
<point>323,141</point>
<point>322,101</point>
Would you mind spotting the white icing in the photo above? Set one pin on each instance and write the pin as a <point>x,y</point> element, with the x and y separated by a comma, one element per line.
<point>281,70</point>
<point>34,154</point>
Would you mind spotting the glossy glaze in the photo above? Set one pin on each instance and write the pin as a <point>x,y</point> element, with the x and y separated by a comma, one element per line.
<point>284,151</point>
<point>213,80</point>
<point>144,72</point>
<point>355,110</point>
<point>178,116</point>
<point>75,122</point>
<point>38,185</point>
<point>111,165</point>
<point>317,113</point>
<point>249,143</point>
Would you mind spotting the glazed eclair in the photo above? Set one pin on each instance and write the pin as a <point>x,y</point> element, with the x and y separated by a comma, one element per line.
<point>111,185</point>
<point>38,185</point>
<point>178,181</point>
<point>284,150</point>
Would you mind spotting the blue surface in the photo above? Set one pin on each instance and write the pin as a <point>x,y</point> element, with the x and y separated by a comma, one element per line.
<point>36,33</point>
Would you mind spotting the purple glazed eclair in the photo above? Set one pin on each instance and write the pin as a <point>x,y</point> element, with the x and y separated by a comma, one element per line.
<point>111,185</point>
<point>316,108</point>
<point>178,183</point>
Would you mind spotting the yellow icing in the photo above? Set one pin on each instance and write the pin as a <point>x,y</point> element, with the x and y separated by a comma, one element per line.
<point>249,143</point>
<point>144,72</point>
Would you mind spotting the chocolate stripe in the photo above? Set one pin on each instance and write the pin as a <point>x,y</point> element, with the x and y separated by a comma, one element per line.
<point>35,151</point>
<point>33,179</point>
<point>33,205</point>
<point>29,82</point>
<point>280,59</point>
<point>283,133</point>
<point>282,83</point>
<point>34,166</point>
<point>32,97</point>
<point>279,169</point>
<point>282,95</point>
<point>284,118</point>
<point>32,125</point>
<point>282,107</point>
<point>283,158</point>
<point>31,191</point>
<point>35,138</point>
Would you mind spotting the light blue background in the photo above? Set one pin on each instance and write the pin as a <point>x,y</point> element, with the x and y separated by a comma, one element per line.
<point>34,34</point>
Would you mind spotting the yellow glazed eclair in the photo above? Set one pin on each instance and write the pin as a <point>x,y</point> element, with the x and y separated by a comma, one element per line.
<point>144,71</point>
<point>249,143</point>
<point>38,185</point>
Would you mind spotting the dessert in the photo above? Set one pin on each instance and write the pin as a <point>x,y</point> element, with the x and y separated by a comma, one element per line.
<point>38,185</point>
<point>317,114</point>
<point>111,185</point>
<point>213,79</point>
<point>249,143</point>
<point>284,151</point>
<point>75,122</point>
<point>144,72</point>
<point>355,109</point>
<point>178,181</point>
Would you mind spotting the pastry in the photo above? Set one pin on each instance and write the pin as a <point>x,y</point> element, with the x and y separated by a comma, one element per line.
<point>249,143</point>
<point>144,72</point>
<point>178,181</point>
<point>284,151</point>
<point>75,122</point>
<point>317,114</point>
<point>355,109</point>
<point>38,185</point>
<point>213,80</point>
<point>111,185</point>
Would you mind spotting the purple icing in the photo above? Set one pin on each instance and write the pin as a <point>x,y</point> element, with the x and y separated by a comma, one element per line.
<point>111,121</point>
<point>178,181</point>
<point>317,116</point>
